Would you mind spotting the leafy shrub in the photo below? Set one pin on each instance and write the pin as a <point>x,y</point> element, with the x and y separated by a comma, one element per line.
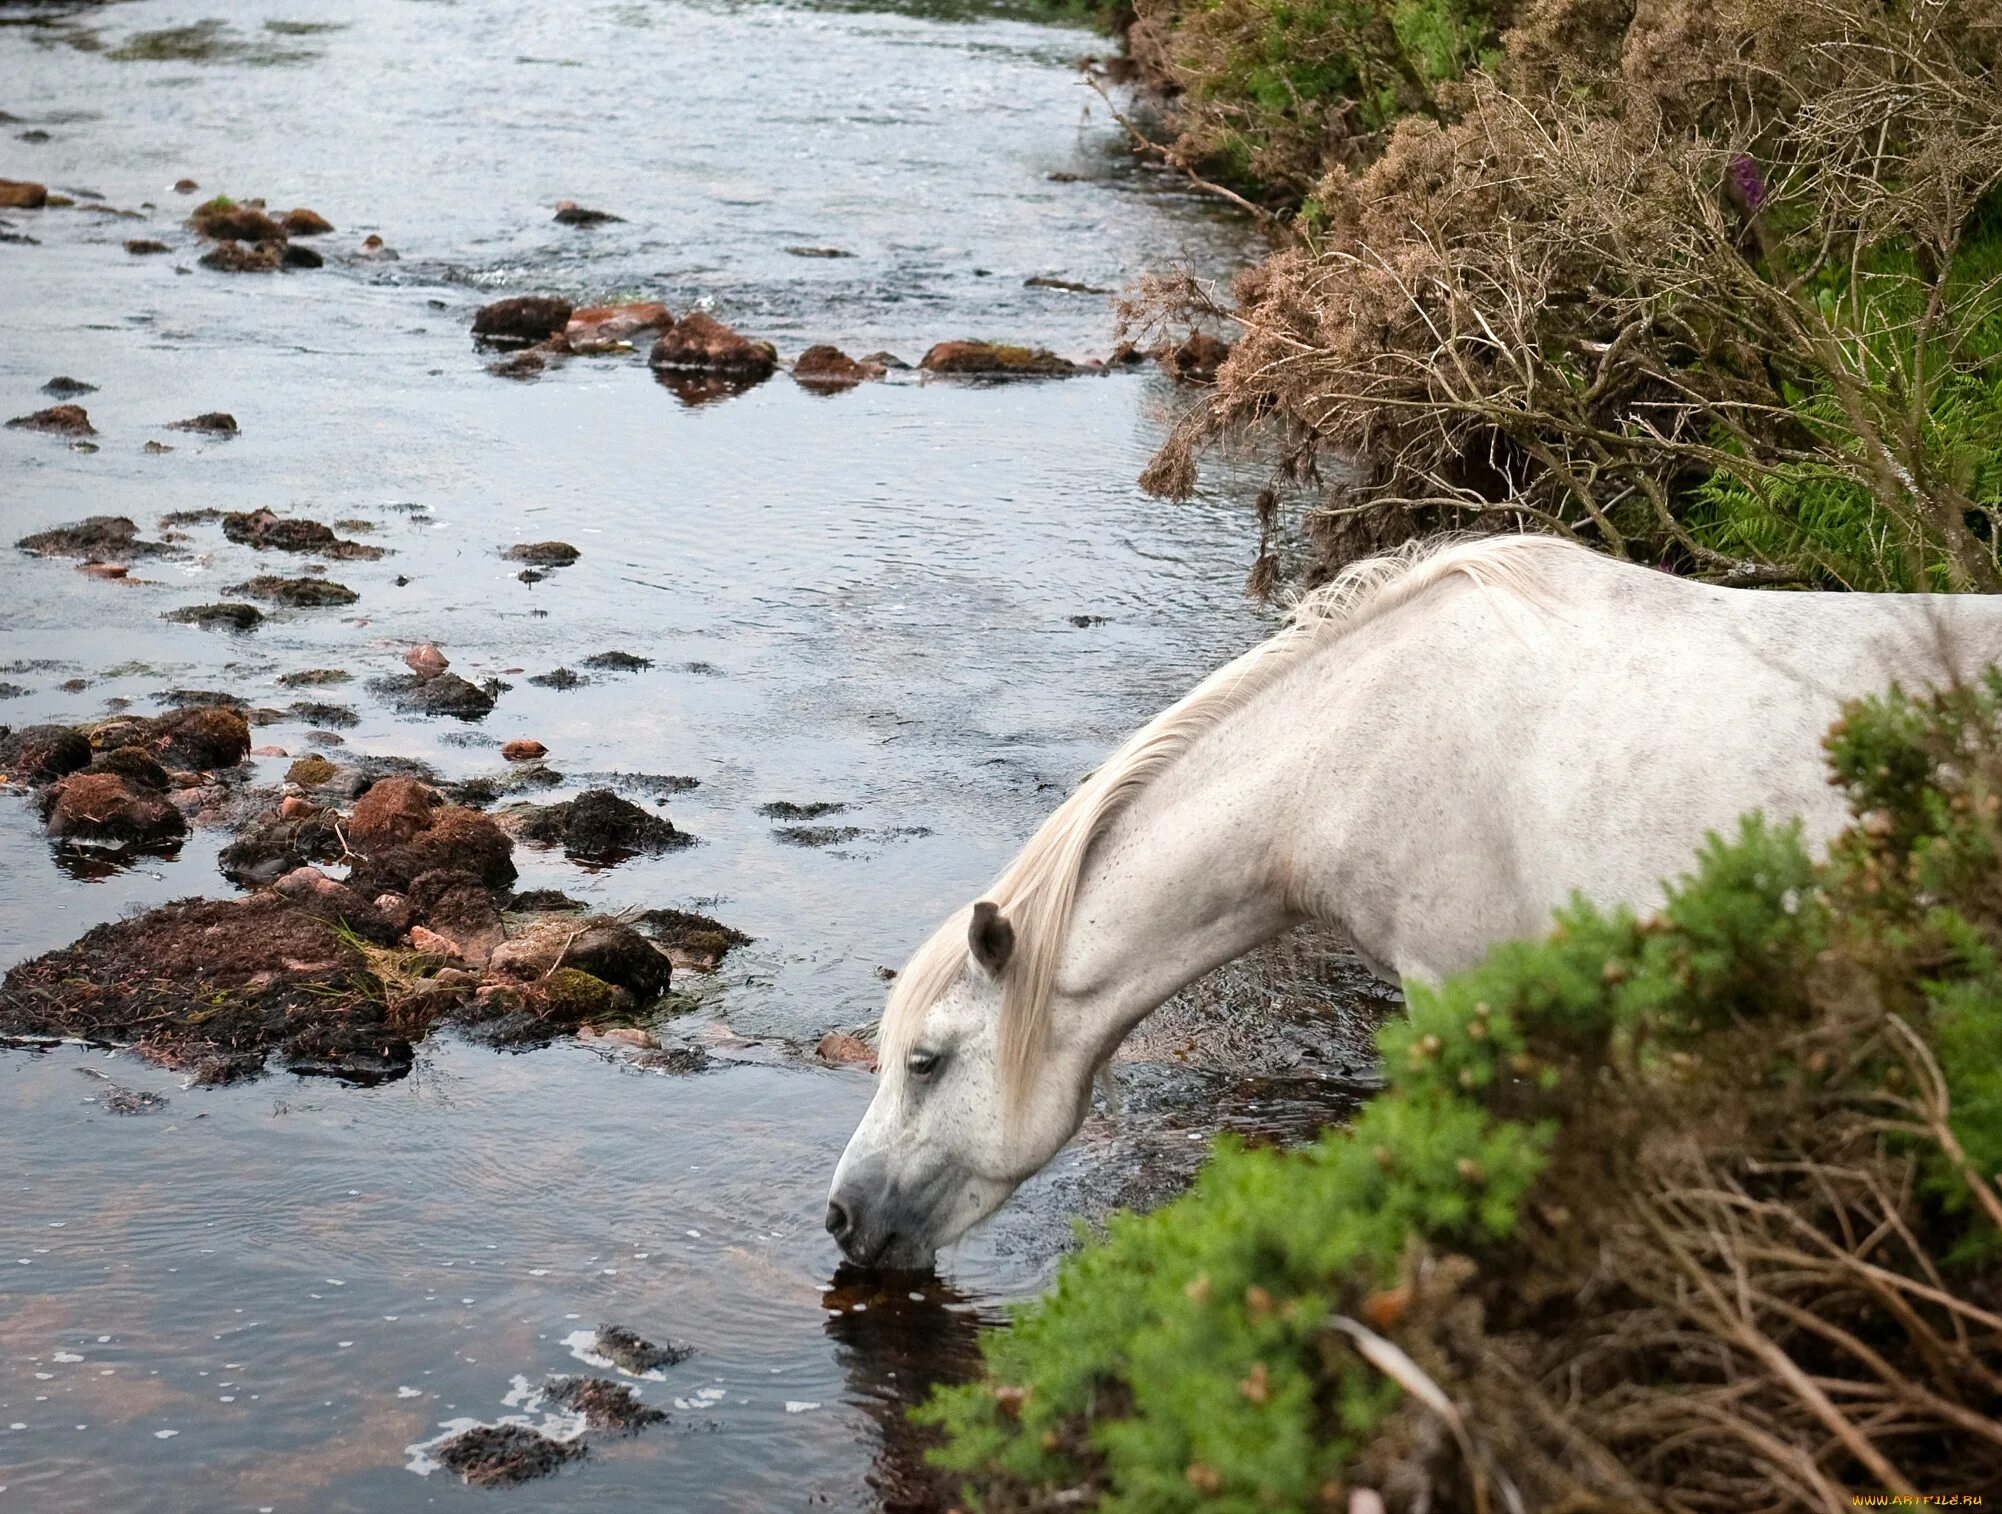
<point>1271,92</point>
<point>1701,1210</point>
<point>1707,283</point>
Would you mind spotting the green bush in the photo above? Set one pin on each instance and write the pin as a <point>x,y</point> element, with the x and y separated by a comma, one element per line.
<point>1665,1212</point>
<point>1271,92</point>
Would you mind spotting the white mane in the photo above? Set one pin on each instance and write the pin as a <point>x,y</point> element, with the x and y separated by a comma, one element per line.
<point>1039,888</point>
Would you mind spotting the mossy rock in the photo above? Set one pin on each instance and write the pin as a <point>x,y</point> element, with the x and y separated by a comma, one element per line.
<point>575,997</point>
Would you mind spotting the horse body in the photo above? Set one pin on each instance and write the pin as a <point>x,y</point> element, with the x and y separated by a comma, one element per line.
<point>1439,752</point>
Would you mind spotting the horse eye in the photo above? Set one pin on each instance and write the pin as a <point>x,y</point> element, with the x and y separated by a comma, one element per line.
<point>921,1064</point>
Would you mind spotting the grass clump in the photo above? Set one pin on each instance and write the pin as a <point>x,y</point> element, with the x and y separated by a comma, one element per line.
<point>1693,1211</point>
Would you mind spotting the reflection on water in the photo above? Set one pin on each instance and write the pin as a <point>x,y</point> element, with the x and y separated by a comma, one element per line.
<point>934,605</point>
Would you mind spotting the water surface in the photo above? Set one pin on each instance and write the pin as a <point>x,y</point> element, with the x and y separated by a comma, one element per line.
<point>261,1296</point>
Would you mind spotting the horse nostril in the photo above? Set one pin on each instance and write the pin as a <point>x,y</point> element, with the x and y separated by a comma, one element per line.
<point>838,1223</point>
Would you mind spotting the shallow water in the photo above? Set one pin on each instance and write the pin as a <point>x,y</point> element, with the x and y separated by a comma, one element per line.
<point>261,1296</point>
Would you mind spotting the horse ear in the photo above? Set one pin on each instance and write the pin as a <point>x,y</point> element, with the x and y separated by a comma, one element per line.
<point>991,937</point>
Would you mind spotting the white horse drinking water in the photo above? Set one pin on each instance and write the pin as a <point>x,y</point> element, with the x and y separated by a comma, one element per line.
<point>1439,749</point>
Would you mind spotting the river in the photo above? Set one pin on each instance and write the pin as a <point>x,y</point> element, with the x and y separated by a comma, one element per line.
<point>936,604</point>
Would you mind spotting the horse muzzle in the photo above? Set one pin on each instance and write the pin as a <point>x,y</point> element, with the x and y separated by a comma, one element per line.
<point>876,1225</point>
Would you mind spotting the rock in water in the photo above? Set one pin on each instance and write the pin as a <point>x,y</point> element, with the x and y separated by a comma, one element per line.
<point>498,1456</point>
<point>825,367</point>
<point>41,753</point>
<point>20,194</point>
<point>698,342</point>
<point>636,1355</point>
<point>995,360</point>
<point>570,213</point>
<point>543,554</point>
<point>223,220</point>
<point>301,222</point>
<point>300,593</point>
<point>57,420</point>
<point>100,805</point>
<point>605,1405</point>
<point>446,694</point>
<point>1195,361</point>
<point>241,257</point>
<point>225,617</point>
<point>214,422</point>
<point>839,1049</point>
<point>602,326</point>
<point>599,825</point>
<point>521,318</point>
<point>96,538</point>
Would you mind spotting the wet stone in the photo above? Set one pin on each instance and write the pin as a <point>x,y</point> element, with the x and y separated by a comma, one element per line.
<point>445,694</point>
<point>598,825</point>
<point>824,367</point>
<point>558,678</point>
<point>302,222</point>
<point>57,420</point>
<point>213,987</point>
<point>312,712</point>
<point>570,213</point>
<point>634,1354</point>
<point>617,662</point>
<point>701,343</point>
<point>314,677</point>
<point>690,940</point>
<point>218,617</point>
<point>995,360</point>
<point>498,1456</point>
<point>265,530</point>
<point>817,835</point>
<point>223,219</point>
<point>211,422</point>
<point>298,593</point>
<point>141,247</point>
<point>543,554</point>
<point>240,257</point>
<point>1196,360</point>
<point>785,809</point>
<point>521,318</point>
<point>98,538</point>
<point>41,753</point>
<point>62,386</point>
<point>110,806</point>
<point>605,1405</point>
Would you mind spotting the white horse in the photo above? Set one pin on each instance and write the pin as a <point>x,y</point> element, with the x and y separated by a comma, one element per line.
<point>1440,748</point>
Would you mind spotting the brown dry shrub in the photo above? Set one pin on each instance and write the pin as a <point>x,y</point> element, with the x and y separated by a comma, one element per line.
<point>1740,243</point>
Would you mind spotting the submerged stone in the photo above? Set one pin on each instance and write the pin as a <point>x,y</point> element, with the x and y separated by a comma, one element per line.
<point>995,360</point>
<point>56,420</point>
<point>635,1354</point>
<point>496,1456</point>
<point>598,825</point>
<point>218,617</point>
<point>701,343</point>
<point>96,538</point>
<point>299,593</point>
<point>521,318</point>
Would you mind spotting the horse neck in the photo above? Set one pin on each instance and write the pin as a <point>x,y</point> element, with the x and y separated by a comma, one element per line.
<point>1190,873</point>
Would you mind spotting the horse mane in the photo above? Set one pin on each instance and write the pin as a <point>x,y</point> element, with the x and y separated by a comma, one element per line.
<point>1037,891</point>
